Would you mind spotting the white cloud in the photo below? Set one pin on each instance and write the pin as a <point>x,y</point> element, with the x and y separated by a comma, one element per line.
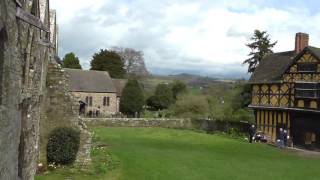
<point>184,35</point>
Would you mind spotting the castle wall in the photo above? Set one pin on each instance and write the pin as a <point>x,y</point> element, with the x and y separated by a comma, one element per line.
<point>23,59</point>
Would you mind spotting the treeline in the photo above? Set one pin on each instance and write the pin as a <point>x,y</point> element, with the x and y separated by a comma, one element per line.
<point>220,102</point>
<point>119,62</point>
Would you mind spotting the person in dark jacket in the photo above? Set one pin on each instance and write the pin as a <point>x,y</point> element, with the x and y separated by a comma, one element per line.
<point>281,138</point>
<point>285,138</point>
<point>252,132</point>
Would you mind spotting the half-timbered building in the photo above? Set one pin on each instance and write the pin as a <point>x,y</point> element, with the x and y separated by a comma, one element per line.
<point>286,94</point>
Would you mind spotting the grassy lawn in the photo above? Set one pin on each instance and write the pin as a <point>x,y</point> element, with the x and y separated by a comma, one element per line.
<point>154,153</point>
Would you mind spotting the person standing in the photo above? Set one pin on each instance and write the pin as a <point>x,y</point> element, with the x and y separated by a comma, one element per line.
<point>281,138</point>
<point>252,132</point>
<point>285,138</point>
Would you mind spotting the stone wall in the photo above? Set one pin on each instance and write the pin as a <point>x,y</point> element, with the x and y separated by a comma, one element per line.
<point>97,102</point>
<point>60,109</point>
<point>32,103</point>
<point>195,124</point>
<point>139,122</point>
<point>23,59</point>
<point>11,65</point>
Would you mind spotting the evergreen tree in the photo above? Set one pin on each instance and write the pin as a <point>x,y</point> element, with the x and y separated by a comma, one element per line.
<point>108,61</point>
<point>71,61</point>
<point>153,103</point>
<point>132,99</point>
<point>178,87</point>
<point>162,98</point>
<point>260,46</point>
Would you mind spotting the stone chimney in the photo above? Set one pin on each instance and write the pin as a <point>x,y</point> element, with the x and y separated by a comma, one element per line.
<point>302,41</point>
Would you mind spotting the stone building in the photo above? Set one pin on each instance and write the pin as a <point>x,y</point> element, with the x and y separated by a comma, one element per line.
<point>94,90</point>
<point>286,94</point>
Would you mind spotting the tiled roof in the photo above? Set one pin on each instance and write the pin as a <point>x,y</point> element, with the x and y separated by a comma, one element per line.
<point>119,84</point>
<point>273,66</point>
<point>90,81</point>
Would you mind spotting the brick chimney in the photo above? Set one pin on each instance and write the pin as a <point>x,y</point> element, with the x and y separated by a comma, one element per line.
<point>302,41</point>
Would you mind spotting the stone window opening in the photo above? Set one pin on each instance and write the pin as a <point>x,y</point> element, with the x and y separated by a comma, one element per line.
<point>108,101</point>
<point>87,100</point>
<point>35,8</point>
<point>104,101</point>
<point>90,101</point>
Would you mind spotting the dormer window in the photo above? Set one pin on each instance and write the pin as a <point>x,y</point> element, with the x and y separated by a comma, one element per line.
<point>307,67</point>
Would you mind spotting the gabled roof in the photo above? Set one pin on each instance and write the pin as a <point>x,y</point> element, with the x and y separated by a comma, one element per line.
<point>315,51</point>
<point>273,66</point>
<point>90,81</point>
<point>119,85</point>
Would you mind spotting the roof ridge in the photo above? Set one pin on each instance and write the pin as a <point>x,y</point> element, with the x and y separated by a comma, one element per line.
<point>85,70</point>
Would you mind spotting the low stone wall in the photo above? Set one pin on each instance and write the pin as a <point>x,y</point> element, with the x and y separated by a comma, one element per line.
<point>140,122</point>
<point>208,126</point>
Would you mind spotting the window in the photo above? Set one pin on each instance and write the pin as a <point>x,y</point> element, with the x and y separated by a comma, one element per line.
<point>108,101</point>
<point>90,101</point>
<point>307,67</point>
<point>104,101</point>
<point>87,100</point>
<point>306,90</point>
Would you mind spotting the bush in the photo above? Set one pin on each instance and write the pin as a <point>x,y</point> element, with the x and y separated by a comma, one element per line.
<point>243,115</point>
<point>63,146</point>
<point>191,106</point>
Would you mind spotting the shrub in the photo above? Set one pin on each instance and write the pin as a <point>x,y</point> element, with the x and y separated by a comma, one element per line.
<point>243,115</point>
<point>63,146</point>
<point>191,106</point>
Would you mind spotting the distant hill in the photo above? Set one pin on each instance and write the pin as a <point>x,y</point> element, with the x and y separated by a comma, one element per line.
<point>192,81</point>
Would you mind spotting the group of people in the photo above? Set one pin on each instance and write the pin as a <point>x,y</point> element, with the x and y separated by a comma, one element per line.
<point>91,113</point>
<point>282,139</point>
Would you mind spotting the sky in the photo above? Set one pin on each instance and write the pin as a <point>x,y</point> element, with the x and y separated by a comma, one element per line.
<point>204,37</point>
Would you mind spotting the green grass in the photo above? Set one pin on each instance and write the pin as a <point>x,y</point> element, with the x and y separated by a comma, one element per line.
<point>154,153</point>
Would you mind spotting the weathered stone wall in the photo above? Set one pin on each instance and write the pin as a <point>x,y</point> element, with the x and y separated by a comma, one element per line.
<point>97,102</point>
<point>140,122</point>
<point>57,108</point>
<point>24,55</point>
<point>60,109</point>
<point>11,65</point>
<point>195,124</point>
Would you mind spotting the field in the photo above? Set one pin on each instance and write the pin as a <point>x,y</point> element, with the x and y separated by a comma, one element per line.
<point>154,153</point>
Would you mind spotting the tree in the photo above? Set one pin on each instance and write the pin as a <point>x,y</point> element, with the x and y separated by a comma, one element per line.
<point>108,61</point>
<point>133,61</point>
<point>132,99</point>
<point>191,106</point>
<point>178,87</point>
<point>71,61</point>
<point>154,103</point>
<point>162,98</point>
<point>260,46</point>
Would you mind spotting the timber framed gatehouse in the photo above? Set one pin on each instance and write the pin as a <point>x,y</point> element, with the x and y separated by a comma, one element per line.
<point>286,94</point>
